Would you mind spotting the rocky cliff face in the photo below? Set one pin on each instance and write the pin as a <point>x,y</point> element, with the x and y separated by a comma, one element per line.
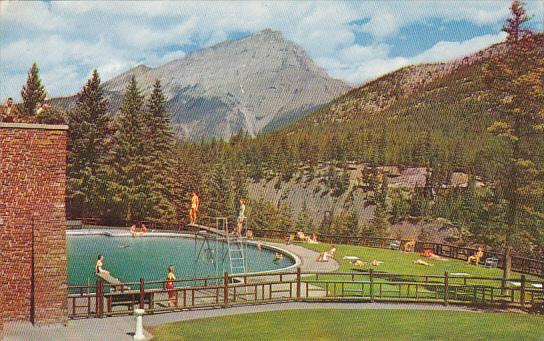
<point>254,84</point>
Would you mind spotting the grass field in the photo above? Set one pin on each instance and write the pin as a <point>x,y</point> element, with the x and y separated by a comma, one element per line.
<point>358,325</point>
<point>399,262</point>
<point>402,263</point>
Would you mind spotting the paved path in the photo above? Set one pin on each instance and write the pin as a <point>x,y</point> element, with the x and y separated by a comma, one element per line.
<point>120,328</point>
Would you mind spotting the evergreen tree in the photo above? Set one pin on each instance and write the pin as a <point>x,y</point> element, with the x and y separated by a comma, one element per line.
<point>399,207</point>
<point>326,224</point>
<point>382,197</point>
<point>51,115</point>
<point>33,91</point>
<point>220,199</point>
<point>265,215</point>
<point>88,149</point>
<point>518,93</point>
<point>379,225</point>
<point>189,175</point>
<point>304,221</point>
<point>419,205</point>
<point>285,220</point>
<point>132,171</point>
<point>160,147</point>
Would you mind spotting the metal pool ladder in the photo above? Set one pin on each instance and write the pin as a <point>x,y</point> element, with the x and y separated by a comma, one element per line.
<point>236,248</point>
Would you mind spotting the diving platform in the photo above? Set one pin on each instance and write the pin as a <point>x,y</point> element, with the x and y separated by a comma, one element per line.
<point>209,229</point>
<point>208,246</point>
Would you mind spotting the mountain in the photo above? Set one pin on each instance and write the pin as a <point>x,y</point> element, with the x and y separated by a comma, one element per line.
<point>442,108</point>
<point>429,117</point>
<point>255,84</point>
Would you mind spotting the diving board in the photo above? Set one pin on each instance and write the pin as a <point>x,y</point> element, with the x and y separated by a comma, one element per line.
<point>209,229</point>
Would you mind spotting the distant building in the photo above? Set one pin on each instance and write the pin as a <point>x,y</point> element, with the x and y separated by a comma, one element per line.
<point>390,171</point>
<point>459,179</point>
<point>410,178</point>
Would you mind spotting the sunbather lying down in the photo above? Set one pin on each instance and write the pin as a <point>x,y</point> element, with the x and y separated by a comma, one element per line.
<point>422,262</point>
<point>324,256</point>
<point>376,262</point>
<point>359,263</point>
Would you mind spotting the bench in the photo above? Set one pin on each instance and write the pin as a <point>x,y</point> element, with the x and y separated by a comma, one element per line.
<point>128,298</point>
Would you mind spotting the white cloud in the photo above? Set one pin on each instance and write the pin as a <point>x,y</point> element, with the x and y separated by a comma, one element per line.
<point>357,64</point>
<point>71,38</point>
<point>447,50</point>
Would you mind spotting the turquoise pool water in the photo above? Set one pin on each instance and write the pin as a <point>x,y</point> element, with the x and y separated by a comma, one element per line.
<point>130,259</point>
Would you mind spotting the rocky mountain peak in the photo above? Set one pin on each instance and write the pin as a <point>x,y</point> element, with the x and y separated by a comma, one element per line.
<point>257,83</point>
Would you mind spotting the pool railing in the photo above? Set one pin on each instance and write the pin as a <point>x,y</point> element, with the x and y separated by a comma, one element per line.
<point>103,300</point>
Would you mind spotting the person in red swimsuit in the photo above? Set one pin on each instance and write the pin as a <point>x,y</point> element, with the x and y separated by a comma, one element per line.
<point>172,293</point>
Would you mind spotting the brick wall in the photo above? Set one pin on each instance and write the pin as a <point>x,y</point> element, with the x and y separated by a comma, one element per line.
<point>33,223</point>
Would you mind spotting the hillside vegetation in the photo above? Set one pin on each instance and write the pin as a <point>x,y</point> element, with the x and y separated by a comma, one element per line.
<point>431,113</point>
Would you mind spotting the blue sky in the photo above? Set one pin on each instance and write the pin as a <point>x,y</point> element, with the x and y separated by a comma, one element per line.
<point>354,41</point>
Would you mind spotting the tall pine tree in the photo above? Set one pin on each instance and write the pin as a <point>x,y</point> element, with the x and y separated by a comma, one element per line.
<point>88,148</point>
<point>220,199</point>
<point>379,225</point>
<point>517,85</point>
<point>160,143</point>
<point>132,170</point>
<point>33,91</point>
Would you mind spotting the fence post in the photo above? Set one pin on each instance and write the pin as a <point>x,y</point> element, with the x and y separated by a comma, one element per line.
<point>298,283</point>
<point>371,285</point>
<point>142,293</point>
<point>226,288</point>
<point>522,292</point>
<point>446,287</point>
<point>100,298</point>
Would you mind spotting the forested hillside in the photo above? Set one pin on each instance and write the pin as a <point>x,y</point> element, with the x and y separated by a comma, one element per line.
<point>418,116</point>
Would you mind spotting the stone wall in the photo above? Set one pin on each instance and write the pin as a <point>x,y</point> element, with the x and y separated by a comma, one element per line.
<point>33,274</point>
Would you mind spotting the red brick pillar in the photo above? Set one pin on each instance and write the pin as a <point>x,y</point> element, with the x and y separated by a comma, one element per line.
<point>33,277</point>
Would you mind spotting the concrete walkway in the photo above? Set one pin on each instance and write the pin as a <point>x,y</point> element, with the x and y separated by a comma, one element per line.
<point>121,328</point>
<point>307,258</point>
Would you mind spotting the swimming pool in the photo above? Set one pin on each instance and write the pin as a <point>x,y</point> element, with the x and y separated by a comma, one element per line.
<point>130,259</point>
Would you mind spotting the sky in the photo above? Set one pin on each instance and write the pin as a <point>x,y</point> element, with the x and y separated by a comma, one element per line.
<point>353,41</point>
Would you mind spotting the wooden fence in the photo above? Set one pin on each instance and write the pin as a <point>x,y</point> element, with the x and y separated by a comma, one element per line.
<point>103,300</point>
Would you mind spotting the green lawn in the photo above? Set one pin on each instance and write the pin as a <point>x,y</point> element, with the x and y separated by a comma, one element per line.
<point>358,325</point>
<point>399,262</point>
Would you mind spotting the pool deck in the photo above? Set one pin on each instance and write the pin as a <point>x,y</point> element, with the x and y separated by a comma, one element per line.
<point>307,258</point>
<point>122,327</point>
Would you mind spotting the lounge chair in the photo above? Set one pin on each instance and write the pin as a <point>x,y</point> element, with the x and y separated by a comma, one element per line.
<point>394,245</point>
<point>491,262</point>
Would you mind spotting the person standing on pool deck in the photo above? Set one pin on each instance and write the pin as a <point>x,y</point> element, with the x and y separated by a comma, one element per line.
<point>195,202</point>
<point>170,277</point>
<point>241,217</point>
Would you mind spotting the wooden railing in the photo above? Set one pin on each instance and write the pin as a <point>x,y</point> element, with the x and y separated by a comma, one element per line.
<point>104,300</point>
